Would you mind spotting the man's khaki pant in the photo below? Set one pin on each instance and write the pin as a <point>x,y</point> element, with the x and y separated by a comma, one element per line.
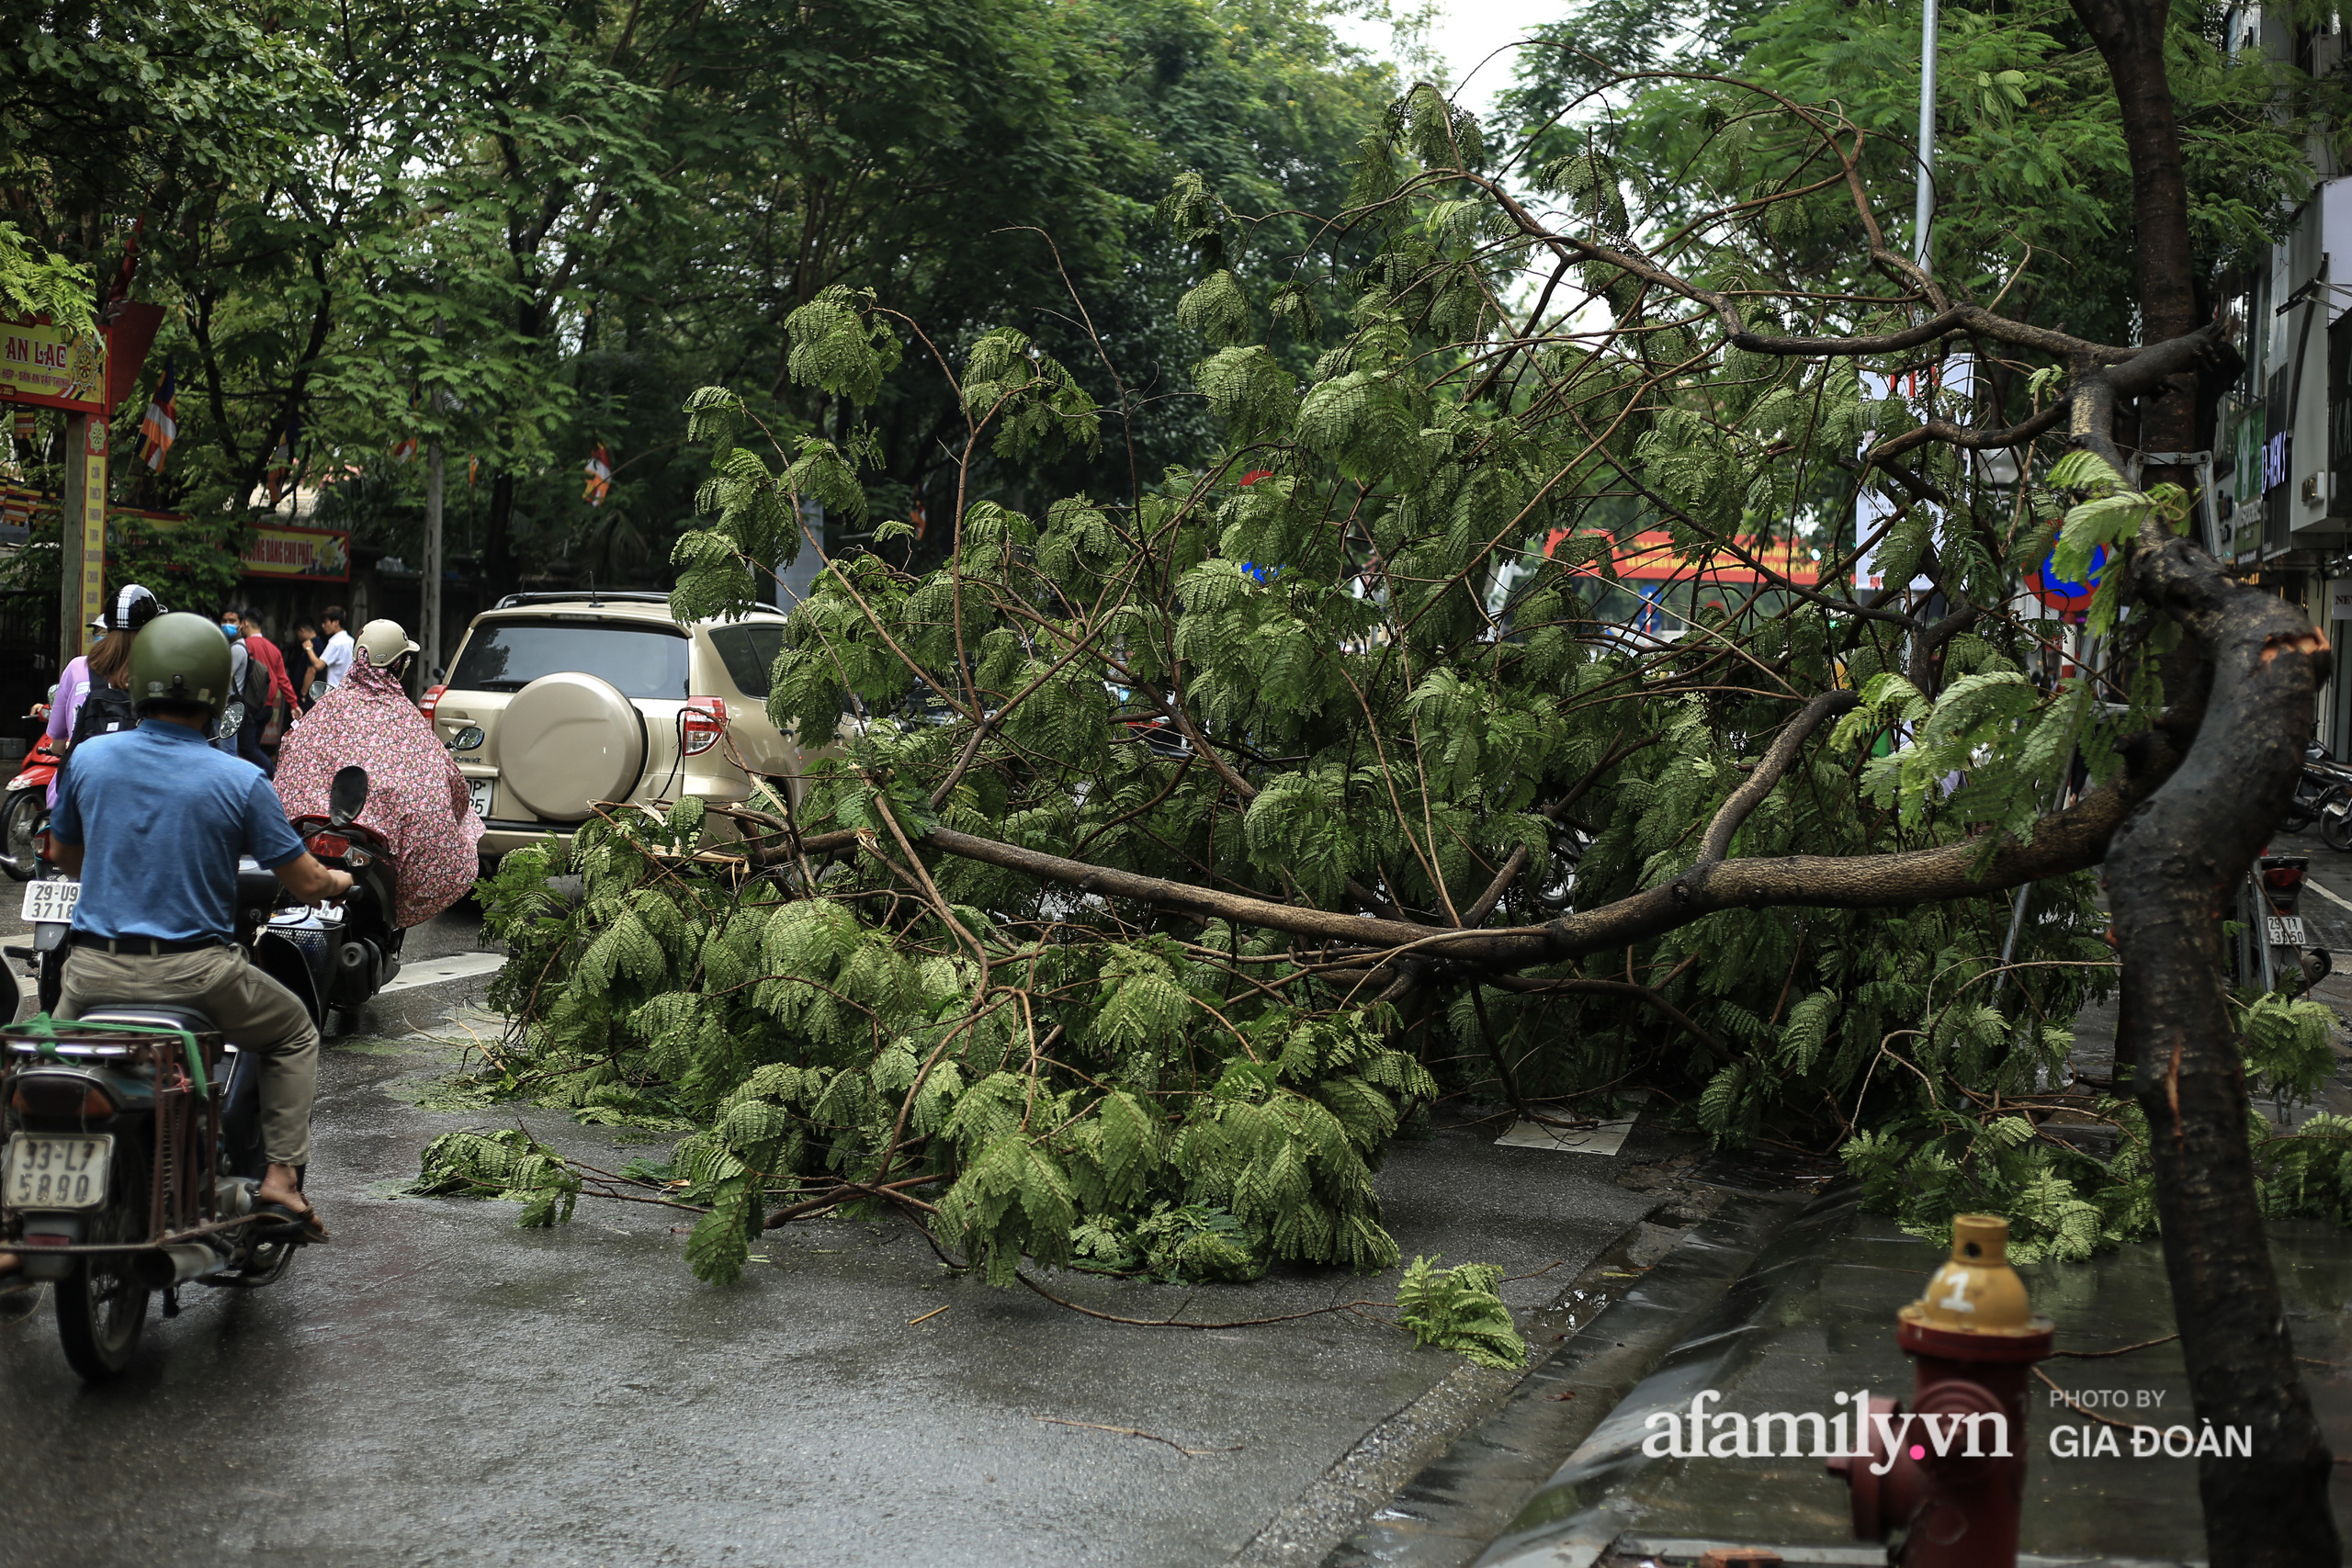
<point>253,1012</point>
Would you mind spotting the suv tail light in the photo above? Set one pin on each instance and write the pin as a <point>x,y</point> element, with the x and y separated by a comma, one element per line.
<point>705,720</point>
<point>431,700</point>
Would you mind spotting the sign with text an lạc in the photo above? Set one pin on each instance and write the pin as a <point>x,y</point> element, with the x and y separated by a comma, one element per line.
<point>53,367</point>
<point>300,555</point>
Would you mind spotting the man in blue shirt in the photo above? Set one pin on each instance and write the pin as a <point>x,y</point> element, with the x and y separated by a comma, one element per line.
<point>153,821</point>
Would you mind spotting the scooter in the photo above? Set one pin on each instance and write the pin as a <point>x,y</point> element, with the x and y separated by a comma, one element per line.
<point>26,810</point>
<point>134,1154</point>
<point>2275,951</point>
<point>335,956</point>
<point>347,952</point>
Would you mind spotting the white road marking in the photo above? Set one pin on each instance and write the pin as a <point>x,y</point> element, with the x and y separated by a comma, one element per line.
<point>437,971</point>
<point>2335,898</point>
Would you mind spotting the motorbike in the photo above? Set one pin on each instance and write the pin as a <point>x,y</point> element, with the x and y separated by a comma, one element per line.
<point>26,810</point>
<point>134,1146</point>
<point>348,951</point>
<point>335,957</point>
<point>2274,949</point>
<point>2323,794</point>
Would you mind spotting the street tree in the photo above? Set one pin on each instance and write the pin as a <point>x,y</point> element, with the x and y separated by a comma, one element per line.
<point>1262,803</point>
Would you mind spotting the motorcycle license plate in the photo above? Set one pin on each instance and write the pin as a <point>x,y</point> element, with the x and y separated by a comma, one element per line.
<point>478,792</point>
<point>51,902</point>
<point>2286,930</point>
<point>49,1171</point>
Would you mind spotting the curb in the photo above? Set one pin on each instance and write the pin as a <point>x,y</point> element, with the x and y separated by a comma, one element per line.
<point>1475,1492</point>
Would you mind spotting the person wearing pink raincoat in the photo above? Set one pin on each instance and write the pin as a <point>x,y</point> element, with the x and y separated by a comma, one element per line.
<point>416,797</point>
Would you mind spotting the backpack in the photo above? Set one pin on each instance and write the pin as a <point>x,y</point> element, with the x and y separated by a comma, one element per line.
<point>106,710</point>
<point>248,692</point>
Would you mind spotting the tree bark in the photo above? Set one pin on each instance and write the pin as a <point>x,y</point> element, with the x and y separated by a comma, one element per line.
<point>497,551</point>
<point>2172,872</point>
<point>2130,37</point>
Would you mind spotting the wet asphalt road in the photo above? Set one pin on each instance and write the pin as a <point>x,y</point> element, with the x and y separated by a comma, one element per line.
<point>441,1387</point>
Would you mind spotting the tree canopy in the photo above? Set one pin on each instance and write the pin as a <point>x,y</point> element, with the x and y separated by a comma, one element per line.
<point>528,229</point>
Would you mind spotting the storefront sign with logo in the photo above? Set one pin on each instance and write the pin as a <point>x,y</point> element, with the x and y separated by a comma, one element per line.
<point>300,555</point>
<point>53,367</point>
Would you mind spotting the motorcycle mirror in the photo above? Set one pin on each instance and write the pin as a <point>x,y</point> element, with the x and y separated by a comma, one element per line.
<point>347,796</point>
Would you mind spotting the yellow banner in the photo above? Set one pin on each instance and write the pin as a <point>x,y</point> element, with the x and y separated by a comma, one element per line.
<point>300,555</point>
<point>94,523</point>
<point>53,367</point>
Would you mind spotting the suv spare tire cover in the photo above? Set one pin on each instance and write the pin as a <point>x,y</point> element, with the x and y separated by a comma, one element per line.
<point>566,741</point>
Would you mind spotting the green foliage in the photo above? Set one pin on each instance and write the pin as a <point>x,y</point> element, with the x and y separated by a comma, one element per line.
<point>808,1044</point>
<point>35,282</point>
<point>509,1164</point>
<point>2309,1172</point>
<point>1367,650</point>
<point>1457,1309</point>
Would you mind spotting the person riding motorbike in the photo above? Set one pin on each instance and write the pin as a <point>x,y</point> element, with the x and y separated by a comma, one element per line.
<point>103,672</point>
<point>416,796</point>
<point>154,819</point>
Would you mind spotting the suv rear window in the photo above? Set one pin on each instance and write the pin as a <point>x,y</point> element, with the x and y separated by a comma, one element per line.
<point>751,654</point>
<point>640,662</point>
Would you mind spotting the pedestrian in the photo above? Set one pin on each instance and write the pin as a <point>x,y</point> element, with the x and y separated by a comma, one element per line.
<point>310,672</point>
<point>249,693</point>
<point>280,708</point>
<point>335,658</point>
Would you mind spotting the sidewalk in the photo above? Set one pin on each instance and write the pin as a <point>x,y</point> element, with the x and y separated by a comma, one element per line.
<point>1815,1316</point>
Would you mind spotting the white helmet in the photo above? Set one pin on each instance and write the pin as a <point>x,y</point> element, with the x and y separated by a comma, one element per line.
<point>385,641</point>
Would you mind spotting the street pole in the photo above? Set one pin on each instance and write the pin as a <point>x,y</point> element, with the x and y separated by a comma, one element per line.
<point>81,535</point>
<point>428,634</point>
<point>1924,213</point>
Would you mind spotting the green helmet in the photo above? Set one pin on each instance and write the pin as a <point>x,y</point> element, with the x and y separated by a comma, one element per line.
<point>180,658</point>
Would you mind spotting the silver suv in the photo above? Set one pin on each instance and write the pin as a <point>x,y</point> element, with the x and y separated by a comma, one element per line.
<point>559,701</point>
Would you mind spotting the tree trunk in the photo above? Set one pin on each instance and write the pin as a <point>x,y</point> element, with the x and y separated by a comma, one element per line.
<point>497,553</point>
<point>2130,37</point>
<point>2173,871</point>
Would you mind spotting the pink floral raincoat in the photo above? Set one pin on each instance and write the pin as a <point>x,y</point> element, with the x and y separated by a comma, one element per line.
<point>416,797</point>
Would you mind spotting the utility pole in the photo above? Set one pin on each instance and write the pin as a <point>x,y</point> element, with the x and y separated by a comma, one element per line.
<point>1924,213</point>
<point>428,633</point>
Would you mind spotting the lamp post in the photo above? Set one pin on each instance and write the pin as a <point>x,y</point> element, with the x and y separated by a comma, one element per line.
<point>1924,212</point>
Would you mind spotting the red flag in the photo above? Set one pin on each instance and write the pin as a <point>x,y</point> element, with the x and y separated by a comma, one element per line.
<point>600,476</point>
<point>405,447</point>
<point>162,425</point>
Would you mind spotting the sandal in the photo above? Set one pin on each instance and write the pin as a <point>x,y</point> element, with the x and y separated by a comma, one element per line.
<point>297,1227</point>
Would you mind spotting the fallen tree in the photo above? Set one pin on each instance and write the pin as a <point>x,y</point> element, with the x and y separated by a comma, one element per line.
<point>1276,797</point>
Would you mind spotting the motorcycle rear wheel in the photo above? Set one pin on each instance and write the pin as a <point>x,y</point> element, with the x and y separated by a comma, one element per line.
<point>102,1306</point>
<point>21,822</point>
